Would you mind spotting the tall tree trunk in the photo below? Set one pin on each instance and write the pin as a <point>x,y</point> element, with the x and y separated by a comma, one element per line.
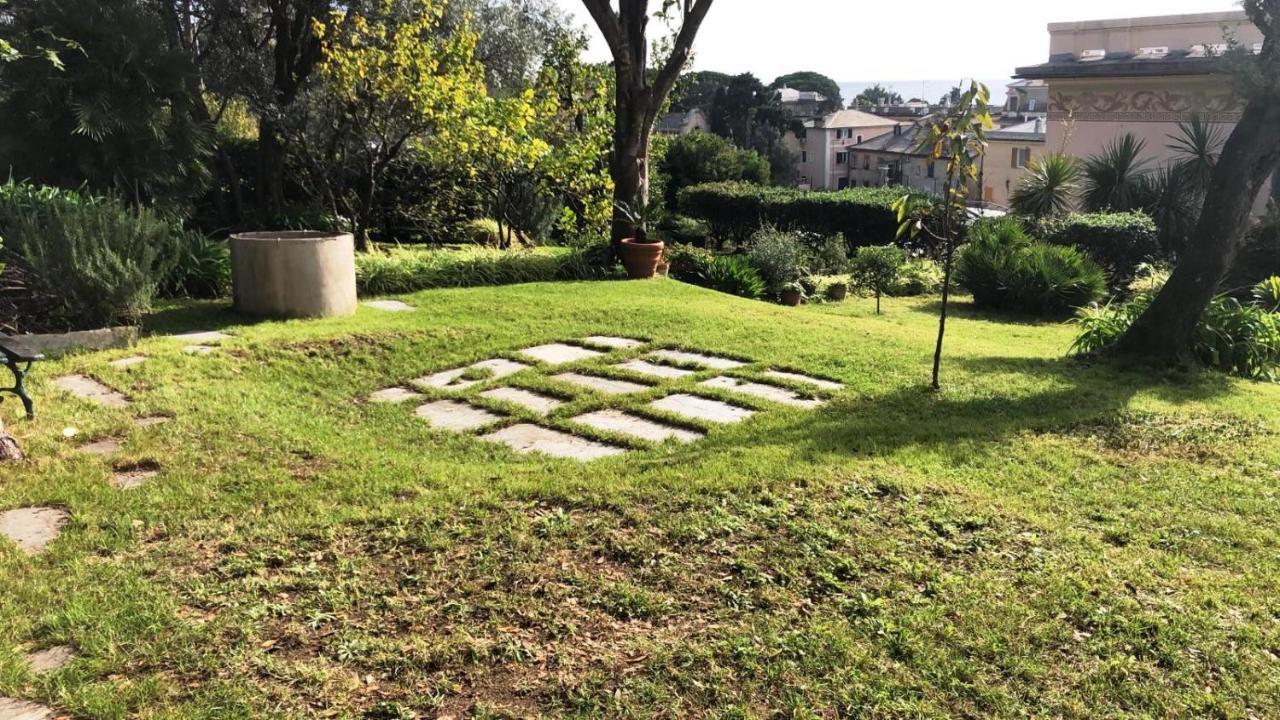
<point>1164,333</point>
<point>630,163</point>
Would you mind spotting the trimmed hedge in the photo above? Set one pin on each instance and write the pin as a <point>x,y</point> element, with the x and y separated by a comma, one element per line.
<point>405,270</point>
<point>1119,242</point>
<point>734,211</point>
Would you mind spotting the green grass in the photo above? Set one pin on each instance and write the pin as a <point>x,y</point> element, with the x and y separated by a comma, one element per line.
<point>1042,539</point>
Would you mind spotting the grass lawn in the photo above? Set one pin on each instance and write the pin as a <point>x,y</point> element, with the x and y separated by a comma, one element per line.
<point>1042,539</point>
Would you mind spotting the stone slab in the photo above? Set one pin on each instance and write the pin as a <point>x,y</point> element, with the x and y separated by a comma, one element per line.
<point>89,389</point>
<point>394,395</point>
<point>133,479</point>
<point>698,359</point>
<point>644,367</point>
<point>199,349</point>
<point>59,344</point>
<point>12,709</point>
<point>102,448</point>
<point>532,401</point>
<point>700,408</point>
<point>607,386</point>
<point>389,305</point>
<point>805,380</point>
<point>637,427</point>
<point>497,368</point>
<point>151,421</point>
<point>128,362</point>
<point>50,659</point>
<point>772,393</point>
<point>456,416</point>
<point>32,529</point>
<point>527,439</point>
<point>612,343</point>
<point>560,354</point>
<point>209,337</point>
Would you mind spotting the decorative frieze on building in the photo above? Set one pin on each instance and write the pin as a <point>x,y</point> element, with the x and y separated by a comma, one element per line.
<point>1145,106</point>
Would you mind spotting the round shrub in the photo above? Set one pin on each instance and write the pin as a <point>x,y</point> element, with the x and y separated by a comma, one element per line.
<point>1004,269</point>
<point>1119,242</point>
<point>780,257</point>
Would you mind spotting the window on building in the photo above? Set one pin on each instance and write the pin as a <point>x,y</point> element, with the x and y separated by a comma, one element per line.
<point>859,139</point>
<point>933,170</point>
<point>842,183</point>
<point>1021,157</point>
<point>804,156</point>
<point>866,162</point>
<point>842,158</point>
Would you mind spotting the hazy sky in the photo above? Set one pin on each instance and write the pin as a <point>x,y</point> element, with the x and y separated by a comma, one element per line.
<point>903,40</point>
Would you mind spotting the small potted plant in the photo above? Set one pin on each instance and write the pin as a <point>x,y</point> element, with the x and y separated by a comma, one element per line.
<point>641,254</point>
<point>792,294</point>
<point>837,291</point>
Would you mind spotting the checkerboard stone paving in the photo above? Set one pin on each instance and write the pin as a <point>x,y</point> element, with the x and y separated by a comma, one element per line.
<point>591,375</point>
<point>11,709</point>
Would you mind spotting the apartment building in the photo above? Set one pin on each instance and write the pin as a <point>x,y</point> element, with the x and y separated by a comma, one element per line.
<point>822,148</point>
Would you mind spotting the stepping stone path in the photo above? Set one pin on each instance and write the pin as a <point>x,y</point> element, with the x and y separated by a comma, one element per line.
<point>32,529</point>
<point>89,389</point>
<point>107,446</point>
<point>560,354</point>
<point>49,660</point>
<point>607,386</point>
<point>644,367</point>
<point>698,359</point>
<point>151,421</point>
<point>394,395</point>
<point>637,427</point>
<point>389,305</point>
<point>134,478</point>
<point>526,439</point>
<point>496,369</point>
<point>11,709</point>
<point>805,380</point>
<point>126,363</point>
<point>772,393</point>
<point>532,401</point>
<point>199,349</point>
<point>612,343</point>
<point>201,338</point>
<point>700,408</point>
<point>456,416</point>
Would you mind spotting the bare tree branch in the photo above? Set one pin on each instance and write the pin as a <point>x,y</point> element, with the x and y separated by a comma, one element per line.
<point>607,20</point>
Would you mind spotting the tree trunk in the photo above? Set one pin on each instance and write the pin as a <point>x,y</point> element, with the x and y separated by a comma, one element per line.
<point>629,166</point>
<point>1164,333</point>
<point>270,166</point>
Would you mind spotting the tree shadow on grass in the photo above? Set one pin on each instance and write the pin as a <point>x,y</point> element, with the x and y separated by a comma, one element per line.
<point>195,316</point>
<point>962,310</point>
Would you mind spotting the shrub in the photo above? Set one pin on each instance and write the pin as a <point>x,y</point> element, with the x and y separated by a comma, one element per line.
<point>919,276</point>
<point>404,270</point>
<point>202,268</point>
<point>702,157</point>
<point>682,229</point>
<point>877,267</point>
<point>1119,242</point>
<point>830,255</point>
<point>780,257</point>
<point>481,231</point>
<point>1048,188</point>
<point>688,264</point>
<point>87,262</point>
<point>735,275</point>
<point>1005,269</point>
<point>1266,294</point>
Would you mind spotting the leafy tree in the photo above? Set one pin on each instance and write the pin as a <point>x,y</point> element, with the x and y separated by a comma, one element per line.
<point>1048,188</point>
<point>698,90</point>
<point>639,94</point>
<point>735,108</point>
<point>877,268</point>
<point>809,81</point>
<point>1113,179</point>
<point>1164,332</point>
<point>513,37</point>
<point>875,95</point>
<point>960,138</point>
<point>701,158</point>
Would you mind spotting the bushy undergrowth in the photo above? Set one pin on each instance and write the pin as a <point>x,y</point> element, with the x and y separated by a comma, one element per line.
<point>1005,269</point>
<point>919,276</point>
<point>780,257</point>
<point>735,275</point>
<point>404,270</point>
<point>202,268</point>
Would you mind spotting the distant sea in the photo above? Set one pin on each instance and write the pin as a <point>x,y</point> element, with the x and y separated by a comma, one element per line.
<point>930,90</point>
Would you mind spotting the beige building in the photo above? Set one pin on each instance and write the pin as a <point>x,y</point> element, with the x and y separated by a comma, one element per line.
<point>683,123</point>
<point>895,158</point>
<point>1009,151</point>
<point>1141,76</point>
<point>822,152</point>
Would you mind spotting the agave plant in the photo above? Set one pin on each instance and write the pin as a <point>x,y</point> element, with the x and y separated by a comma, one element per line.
<point>1114,178</point>
<point>1048,188</point>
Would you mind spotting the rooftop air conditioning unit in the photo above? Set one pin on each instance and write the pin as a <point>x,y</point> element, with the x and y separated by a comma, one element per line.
<point>1153,53</point>
<point>1204,51</point>
<point>1093,55</point>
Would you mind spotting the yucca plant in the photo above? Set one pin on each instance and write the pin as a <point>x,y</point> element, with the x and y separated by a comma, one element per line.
<point>1114,178</point>
<point>1171,196</point>
<point>1196,147</point>
<point>1049,187</point>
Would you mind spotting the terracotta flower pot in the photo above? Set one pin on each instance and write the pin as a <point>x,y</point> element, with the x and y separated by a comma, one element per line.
<point>792,297</point>
<point>641,259</point>
<point>838,292</point>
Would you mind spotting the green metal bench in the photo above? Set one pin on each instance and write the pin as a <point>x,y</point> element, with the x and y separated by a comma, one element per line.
<point>19,358</point>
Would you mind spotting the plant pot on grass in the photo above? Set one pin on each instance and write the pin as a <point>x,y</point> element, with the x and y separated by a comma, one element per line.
<point>641,256</point>
<point>837,291</point>
<point>792,294</point>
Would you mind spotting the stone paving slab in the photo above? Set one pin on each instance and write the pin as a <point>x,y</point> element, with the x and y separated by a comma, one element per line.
<point>612,343</point>
<point>700,408</point>
<point>498,368</point>
<point>106,446</point>
<point>133,479</point>
<point>691,358</point>
<point>50,659</point>
<point>389,305</point>
<point>32,529</point>
<point>201,338</point>
<point>11,709</point>
<point>532,401</point>
<point>607,386</point>
<point>804,379</point>
<point>126,363</point>
<point>151,420</point>
<point>772,393</point>
<point>456,416</point>
<point>89,389</point>
<point>394,395</point>
<point>199,349</point>
<point>644,367</point>
<point>560,353</point>
<point>638,427</point>
<point>527,439</point>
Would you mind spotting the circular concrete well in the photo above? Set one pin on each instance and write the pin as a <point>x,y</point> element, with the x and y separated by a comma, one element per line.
<point>294,274</point>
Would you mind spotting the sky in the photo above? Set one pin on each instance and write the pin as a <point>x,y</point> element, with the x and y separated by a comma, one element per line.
<point>906,40</point>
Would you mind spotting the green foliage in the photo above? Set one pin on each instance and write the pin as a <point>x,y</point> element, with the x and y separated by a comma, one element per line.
<point>875,95</point>
<point>681,229</point>
<point>829,255</point>
<point>88,262</point>
<point>1119,242</point>
<point>405,270</point>
<point>701,157</point>
<point>202,268</point>
<point>877,268</point>
<point>688,264</point>
<point>482,231</point>
<point>1258,259</point>
<point>1048,188</point>
<point>919,276</point>
<point>781,258</point>
<point>734,211</point>
<point>810,81</point>
<point>1267,294</point>
<point>1114,178</point>
<point>735,275</point>
<point>1005,269</point>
